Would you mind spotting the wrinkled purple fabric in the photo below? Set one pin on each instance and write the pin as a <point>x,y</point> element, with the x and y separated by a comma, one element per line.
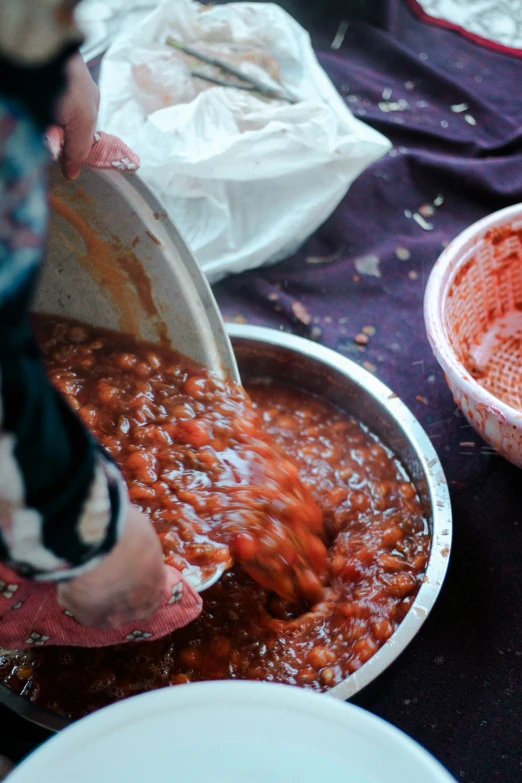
<point>458,687</point>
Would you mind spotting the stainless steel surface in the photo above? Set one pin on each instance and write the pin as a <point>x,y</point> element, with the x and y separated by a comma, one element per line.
<point>268,353</point>
<point>117,261</point>
<point>200,587</point>
<point>311,367</point>
<point>31,712</point>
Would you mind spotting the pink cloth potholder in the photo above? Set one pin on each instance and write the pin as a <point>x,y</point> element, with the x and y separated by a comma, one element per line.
<point>30,615</point>
<point>107,152</point>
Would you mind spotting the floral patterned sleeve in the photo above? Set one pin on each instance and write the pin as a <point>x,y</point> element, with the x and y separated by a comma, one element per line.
<point>61,499</point>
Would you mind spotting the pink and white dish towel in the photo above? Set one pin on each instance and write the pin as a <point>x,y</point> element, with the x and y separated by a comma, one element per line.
<point>107,152</point>
<point>30,615</point>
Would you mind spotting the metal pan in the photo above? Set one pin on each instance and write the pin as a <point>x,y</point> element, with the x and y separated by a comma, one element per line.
<point>268,353</point>
<point>116,260</point>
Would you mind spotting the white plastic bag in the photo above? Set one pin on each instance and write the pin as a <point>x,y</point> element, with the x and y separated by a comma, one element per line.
<point>245,179</point>
<point>101,20</point>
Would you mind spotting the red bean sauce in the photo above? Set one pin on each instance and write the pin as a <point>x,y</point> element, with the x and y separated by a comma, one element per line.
<point>194,457</point>
<point>222,485</point>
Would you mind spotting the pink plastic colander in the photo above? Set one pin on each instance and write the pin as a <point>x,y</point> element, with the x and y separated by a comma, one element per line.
<point>473,315</point>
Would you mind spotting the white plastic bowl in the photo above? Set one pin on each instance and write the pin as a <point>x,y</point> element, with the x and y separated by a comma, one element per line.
<point>473,315</point>
<point>231,732</point>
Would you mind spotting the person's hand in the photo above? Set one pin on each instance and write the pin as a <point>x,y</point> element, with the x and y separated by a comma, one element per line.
<point>126,586</point>
<point>77,113</point>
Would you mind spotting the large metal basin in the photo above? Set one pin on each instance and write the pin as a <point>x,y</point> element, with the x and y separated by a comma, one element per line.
<point>311,367</point>
<point>314,368</point>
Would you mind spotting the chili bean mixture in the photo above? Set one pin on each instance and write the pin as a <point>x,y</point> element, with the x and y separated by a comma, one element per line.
<point>216,475</point>
<point>195,459</point>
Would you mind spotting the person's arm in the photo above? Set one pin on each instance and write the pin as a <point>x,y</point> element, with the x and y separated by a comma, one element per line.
<point>51,471</point>
<point>77,113</point>
<point>63,506</point>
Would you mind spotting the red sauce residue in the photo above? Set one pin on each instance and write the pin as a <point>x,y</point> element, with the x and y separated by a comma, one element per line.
<point>489,343</point>
<point>500,269</point>
<point>461,274</point>
<point>118,271</point>
<point>154,238</point>
<point>190,449</point>
<point>499,234</point>
<point>180,434</point>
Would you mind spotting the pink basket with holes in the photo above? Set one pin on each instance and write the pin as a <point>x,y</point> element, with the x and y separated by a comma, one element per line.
<point>473,315</point>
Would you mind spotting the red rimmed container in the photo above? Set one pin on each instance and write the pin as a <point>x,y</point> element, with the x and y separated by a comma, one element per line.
<point>473,316</point>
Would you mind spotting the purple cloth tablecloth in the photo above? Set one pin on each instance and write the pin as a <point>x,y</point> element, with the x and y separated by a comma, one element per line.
<point>458,687</point>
